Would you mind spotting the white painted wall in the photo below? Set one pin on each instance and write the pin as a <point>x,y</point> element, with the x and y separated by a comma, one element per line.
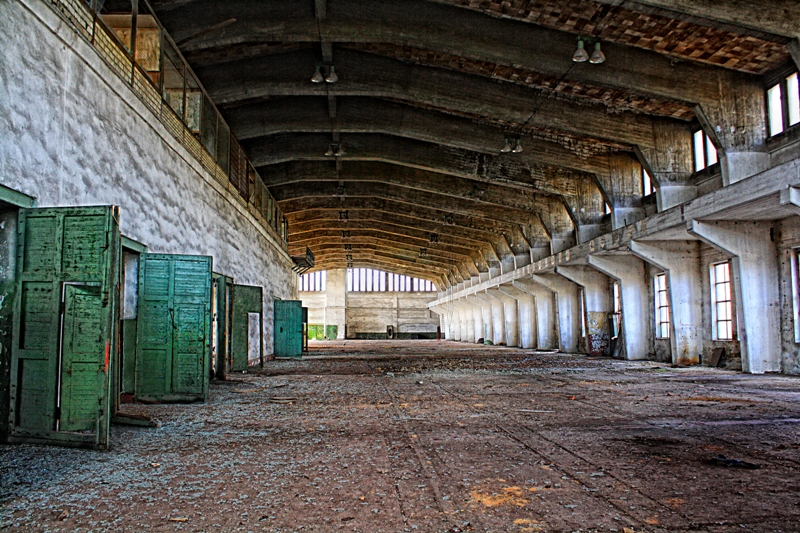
<point>72,133</point>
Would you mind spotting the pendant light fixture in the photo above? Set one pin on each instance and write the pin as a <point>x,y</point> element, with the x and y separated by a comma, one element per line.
<point>317,77</point>
<point>506,146</point>
<point>580,55</point>
<point>332,77</point>
<point>517,147</point>
<point>597,56</point>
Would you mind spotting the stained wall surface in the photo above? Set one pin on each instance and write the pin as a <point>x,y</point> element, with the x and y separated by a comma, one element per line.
<point>71,133</point>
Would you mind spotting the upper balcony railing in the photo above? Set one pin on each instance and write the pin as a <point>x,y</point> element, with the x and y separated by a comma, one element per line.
<point>127,35</point>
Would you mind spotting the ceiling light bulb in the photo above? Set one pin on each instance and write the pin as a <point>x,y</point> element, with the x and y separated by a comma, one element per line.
<point>317,77</point>
<point>597,56</point>
<point>332,77</point>
<point>330,152</point>
<point>506,146</point>
<point>517,147</point>
<point>339,151</point>
<point>580,54</point>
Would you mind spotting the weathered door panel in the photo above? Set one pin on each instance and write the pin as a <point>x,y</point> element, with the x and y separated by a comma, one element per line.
<point>247,300</point>
<point>65,326</point>
<point>288,328</point>
<point>173,333</point>
<point>222,324</point>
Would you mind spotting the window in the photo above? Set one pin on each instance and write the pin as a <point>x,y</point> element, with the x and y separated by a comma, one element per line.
<point>783,104</point>
<point>371,280</point>
<point>705,153</point>
<point>581,300</point>
<point>796,292</point>
<point>721,302</point>
<point>314,281</point>
<point>647,183</point>
<point>662,306</point>
<point>617,320</point>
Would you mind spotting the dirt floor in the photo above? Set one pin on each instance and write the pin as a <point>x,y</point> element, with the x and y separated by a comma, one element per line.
<point>430,436</point>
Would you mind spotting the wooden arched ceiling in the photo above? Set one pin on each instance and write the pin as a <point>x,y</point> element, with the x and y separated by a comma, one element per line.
<point>427,91</point>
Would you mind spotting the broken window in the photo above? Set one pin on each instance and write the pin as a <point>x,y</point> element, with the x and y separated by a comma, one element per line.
<point>617,317</point>
<point>647,183</point>
<point>662,306</point>
<point>721,302</point>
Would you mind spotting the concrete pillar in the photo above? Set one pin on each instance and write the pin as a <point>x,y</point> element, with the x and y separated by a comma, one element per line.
<point>568,308</point>
<point>544,304</point>
<point>736,123</point>
<point>483,318</point>
<point>681,261</point>
<point>526,315</point>
<point>598,306</point>
<point>670,163</point>
<point>510,313</point>
<point>629,271</point>
<point>467,320</point>
<point>498,317</point>
<point>754,273</point>
<point>336,301</point>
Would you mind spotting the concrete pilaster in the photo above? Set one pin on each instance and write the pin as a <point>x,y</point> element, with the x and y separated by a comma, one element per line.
<point>544,304</point>
<point>526,315</point>
<point>511,325</point>
<point>598,306</point>
<point>483,316</point>
<point>629,271</point>
<point>681,261</point>
<point>496,316</point>
<point>754,273</point>
<point>336,301</point>
<point>568,309</point>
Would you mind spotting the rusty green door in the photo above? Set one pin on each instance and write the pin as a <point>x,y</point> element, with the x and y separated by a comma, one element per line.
<point>288,331</point>
<point>173,342</point>
<point>64,327</point>
<point>245,334</point>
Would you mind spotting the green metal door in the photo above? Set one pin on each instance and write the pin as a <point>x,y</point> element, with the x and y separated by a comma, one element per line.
<point>173,343</point>
<point>288,328</point>
<point>64,327</point>
<point>245,334</point>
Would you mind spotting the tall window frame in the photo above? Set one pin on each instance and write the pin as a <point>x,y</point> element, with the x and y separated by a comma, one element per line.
<point>661,293</point>
<point>704,151</point>
<point>723,324</point>
<point>616,323</point>
<point>783,104</point>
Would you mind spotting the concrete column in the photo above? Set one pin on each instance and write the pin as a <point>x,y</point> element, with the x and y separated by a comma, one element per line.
<point>754,273</point>
<point>510,313</point>
<point>497,315</point>
<point>629,271</point>
<point>526,315</point>
<point>467,321</point>
<point>681,261</point>
<point>336,301</point>
<point>544,304</point>
<point>568,308</point>
<point>483,318</point>
<point>671,164</point>
<point>598,306</point>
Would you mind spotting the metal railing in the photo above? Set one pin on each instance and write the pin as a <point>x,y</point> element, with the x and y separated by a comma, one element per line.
<point>240,174</point>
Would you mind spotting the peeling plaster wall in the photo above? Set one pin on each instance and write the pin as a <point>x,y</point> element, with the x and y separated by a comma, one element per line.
<point>71,133</point>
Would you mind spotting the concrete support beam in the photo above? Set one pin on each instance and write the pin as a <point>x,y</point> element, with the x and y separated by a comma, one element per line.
<point>511,325</point>
<point>568,309</point>
<point>794,50</point>
<point>598,306</point>
<point>466,320</point>
<point>484,304</point>
<point>546,319</point>
<point>671,164</point>
<point>629,271</point>
<point>681,261</point>
<point>756,289</point>
<point>526,315</point>
<point>790,199</point>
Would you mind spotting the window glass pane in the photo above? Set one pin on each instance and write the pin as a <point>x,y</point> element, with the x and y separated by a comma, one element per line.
<point>775,110</point>
<point>148,44</point>
<point>793,98</point>
<point>194,104</point>
<point>647,183</point>
<point>711,152</point>
<point>699,151</point>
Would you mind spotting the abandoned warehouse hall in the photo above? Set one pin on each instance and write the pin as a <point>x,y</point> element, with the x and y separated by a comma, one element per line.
<point>420,265</point>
